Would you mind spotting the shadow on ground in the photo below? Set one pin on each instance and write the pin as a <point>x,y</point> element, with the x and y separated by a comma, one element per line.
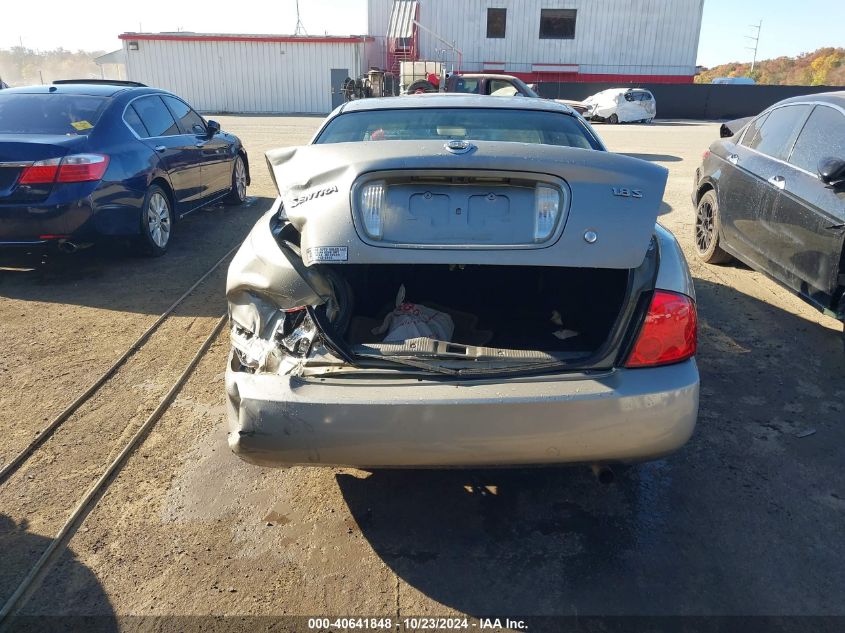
<point>679,122</point>
<point>85,604</point>
<point>113,276</point>
<point>746,519</point>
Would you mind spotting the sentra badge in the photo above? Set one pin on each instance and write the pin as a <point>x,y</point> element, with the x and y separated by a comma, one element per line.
<point>319,193</point>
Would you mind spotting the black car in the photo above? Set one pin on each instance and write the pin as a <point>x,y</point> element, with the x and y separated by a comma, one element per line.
<point>773,196</point>
<point>81,161</point>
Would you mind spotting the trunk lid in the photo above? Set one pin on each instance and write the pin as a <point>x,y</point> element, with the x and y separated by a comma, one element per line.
<point>469,208</point>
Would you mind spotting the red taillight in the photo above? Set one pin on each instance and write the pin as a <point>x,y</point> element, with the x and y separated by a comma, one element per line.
<point>669,333</point>
<point>74,168</point>
<point>705,155</point>
<point>40,172</point>
<point>82,168</point>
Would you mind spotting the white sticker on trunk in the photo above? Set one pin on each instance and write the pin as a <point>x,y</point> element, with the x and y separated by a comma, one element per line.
<point>318,254</point>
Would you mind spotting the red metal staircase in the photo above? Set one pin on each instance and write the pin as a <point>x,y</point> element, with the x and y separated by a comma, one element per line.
<point>402,34</point>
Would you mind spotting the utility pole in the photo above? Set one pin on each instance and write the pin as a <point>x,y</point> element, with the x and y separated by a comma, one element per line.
<point>300,28</point>
<point>756,39</point>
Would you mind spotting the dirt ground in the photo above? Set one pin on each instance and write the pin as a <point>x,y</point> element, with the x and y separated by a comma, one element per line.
<point>746,520</point>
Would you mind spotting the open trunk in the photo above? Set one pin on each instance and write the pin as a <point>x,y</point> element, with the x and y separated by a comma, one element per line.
<point>501,318</point>
<point>530,308</point>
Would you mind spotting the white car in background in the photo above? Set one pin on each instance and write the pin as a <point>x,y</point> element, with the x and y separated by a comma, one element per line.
<point>621,105</point>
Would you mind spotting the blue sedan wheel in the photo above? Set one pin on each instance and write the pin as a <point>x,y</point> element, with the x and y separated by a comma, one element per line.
<point>237,195</point>
<point>156,222</point>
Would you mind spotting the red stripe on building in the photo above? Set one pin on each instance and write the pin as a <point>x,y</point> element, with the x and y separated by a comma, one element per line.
<point>290,39</point>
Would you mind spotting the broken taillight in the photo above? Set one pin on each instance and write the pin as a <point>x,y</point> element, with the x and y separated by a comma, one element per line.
<point>669,333</point>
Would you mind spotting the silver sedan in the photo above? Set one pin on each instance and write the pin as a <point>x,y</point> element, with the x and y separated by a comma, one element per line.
<point>456,281</point>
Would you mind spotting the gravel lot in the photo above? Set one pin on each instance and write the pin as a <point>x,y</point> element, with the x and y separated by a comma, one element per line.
<point>747,519</point>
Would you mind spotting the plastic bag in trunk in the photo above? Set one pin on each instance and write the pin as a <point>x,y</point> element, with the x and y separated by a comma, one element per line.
<point>412,320</point>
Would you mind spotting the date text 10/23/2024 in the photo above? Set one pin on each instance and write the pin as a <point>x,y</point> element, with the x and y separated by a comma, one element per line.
<point>416,623</point>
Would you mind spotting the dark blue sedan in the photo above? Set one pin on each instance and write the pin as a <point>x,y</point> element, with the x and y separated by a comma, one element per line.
<point>84,161</point>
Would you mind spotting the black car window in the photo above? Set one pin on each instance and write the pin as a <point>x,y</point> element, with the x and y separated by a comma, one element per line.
<point>51,113</point>
<point>752,129</point>
<point>775,136</point>
<point>823,136</point>
<point>134,121</point>
<point>189,121</point>
<point>479,124</point>
<point>156,117</point>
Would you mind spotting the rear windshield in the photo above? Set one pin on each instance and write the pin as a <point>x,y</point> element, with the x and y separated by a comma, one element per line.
<point>477,124</point>
<point>49,113</point>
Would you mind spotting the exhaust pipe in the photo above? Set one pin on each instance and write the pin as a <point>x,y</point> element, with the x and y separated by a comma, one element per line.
<point>66,246</point>
<point>603,473</point>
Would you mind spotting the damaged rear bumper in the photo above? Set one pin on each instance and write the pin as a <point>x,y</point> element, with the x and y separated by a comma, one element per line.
<point>624,415</point>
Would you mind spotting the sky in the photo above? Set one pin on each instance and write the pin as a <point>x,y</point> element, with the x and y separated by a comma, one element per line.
<point>789,28</point>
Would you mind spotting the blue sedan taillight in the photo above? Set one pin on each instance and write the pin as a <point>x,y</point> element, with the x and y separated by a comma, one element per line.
<point>73,168</point>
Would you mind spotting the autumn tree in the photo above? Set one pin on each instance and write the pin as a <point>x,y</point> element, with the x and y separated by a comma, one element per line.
<point>824,67</point>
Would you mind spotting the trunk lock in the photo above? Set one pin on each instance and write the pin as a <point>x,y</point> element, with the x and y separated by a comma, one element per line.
<point>459,147</point>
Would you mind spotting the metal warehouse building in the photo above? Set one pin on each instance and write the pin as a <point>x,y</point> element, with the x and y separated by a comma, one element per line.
<point>246,73</point>
<point>538,40</point>
<point>543,40</point>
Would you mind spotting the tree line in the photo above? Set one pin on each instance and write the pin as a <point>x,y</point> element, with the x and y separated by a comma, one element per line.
<point>21,66</point>
<point>824,67</point>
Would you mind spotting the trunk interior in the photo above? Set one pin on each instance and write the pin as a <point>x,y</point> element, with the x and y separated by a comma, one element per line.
<point>511,307</point>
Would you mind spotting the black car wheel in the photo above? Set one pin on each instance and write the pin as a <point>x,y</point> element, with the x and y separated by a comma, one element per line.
<point>707,229</point>
<point>156,222</point>
<point>613,119</point>
<point>238,193</point>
